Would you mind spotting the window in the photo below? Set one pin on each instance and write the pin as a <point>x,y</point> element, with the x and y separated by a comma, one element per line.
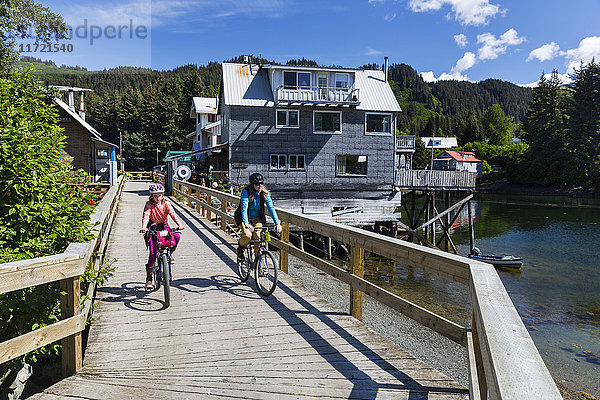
<point>378,123</point>
<point>295,80</point>
<point>322,82</point>
<point>351,165</point>
<point>327,121</point>
<point>278,161</point>
<point>296,161</point>
<point>341,81</point>
<point>212,117</point>
<point>287,118</point>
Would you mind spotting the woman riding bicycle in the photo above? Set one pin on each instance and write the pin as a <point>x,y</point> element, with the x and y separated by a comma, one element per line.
<point>156,211</point>
<point>253,200</point>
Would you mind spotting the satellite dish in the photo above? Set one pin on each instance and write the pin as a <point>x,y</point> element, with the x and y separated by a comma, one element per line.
<point>183,172</point>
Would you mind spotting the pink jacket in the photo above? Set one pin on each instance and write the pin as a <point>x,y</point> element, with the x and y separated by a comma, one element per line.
<point>158,213</point>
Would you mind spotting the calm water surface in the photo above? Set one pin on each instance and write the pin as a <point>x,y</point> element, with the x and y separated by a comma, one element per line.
<point>557,293</point>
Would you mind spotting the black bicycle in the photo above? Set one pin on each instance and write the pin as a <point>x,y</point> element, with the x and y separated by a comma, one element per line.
<point>263,263</point>
<point>161,272</point>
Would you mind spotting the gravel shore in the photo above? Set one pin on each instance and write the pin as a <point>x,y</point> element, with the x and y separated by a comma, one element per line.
<point>430,347</point>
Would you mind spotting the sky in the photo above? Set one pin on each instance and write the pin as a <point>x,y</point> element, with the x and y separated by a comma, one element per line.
<point>512,40</point>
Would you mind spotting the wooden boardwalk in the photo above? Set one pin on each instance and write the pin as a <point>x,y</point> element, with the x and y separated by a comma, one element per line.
<point>221,339</point>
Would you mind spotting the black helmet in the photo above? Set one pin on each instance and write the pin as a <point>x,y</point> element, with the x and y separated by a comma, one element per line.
<point>257,179</point>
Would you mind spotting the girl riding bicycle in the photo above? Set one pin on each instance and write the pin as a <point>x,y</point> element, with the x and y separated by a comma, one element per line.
<point>156,211</point>
<point>253,200</point>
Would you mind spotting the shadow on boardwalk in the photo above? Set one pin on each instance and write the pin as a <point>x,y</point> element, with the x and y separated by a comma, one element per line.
<point>220,339</point>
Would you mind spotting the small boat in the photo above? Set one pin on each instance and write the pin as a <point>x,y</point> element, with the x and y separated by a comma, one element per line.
<point>498,261</point>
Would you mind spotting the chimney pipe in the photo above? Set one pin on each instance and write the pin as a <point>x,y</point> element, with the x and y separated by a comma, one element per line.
<point>81,108</point>
<point>385,67</point>
<point>71,101</point>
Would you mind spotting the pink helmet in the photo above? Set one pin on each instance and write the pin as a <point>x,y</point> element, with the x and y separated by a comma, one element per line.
<point>156,188</point>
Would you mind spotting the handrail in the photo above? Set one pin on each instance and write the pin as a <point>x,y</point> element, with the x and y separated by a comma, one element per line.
<point>503,360</point>
<point>67,268</point>
<point>318,94</point>
<point>139,175</point>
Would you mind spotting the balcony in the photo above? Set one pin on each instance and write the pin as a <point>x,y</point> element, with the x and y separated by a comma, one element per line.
<point>405,143</point>
<point>317,95</point>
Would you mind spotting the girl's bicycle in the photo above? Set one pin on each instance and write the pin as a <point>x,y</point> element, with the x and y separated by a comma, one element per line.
<point>263,263</point>
<point>162,274</point>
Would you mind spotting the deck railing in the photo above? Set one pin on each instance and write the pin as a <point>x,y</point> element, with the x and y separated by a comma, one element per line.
<point>503,360</point>
<point>435,179</point>
<point>313,94</point>
<point>405,143</point>
<point>66,268</point>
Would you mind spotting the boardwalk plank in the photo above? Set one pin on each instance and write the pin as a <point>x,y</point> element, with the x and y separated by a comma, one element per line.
<point>220,339</point>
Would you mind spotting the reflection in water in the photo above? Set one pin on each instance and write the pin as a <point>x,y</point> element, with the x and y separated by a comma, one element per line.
<point>557,293</point>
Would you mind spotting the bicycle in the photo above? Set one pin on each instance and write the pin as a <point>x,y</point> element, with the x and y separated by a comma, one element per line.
<point>264,264</point>
<point>161,273</point>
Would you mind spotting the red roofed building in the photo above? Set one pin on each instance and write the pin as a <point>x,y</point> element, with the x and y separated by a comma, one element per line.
<point>452,160</point>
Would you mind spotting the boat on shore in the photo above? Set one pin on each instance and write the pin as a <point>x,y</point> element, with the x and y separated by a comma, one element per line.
<point>506,261</point>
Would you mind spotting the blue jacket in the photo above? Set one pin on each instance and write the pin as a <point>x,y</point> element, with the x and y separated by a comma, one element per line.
<point>251,211</point>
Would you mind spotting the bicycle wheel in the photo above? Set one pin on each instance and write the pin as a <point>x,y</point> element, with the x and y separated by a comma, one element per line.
<point>166,279</point>
<point>243,266</point>
<point>265,273</point>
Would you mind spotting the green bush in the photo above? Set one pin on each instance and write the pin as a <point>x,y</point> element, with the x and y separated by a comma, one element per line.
<point>43,205</point>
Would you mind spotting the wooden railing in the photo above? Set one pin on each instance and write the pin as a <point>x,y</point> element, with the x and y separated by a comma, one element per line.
<point>66,268</point>
<point>503,360</point>
<point>428,179</point>
<point>314,94</point>
<point>405,143</point>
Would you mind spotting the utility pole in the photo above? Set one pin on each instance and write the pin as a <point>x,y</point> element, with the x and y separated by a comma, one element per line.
<point>121,150</point>
<point>157,151</point>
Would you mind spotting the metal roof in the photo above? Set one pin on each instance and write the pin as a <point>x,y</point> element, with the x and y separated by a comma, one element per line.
<point>375,93</point>
<point>439,142</point>
<point>203,105</point>
<point>243,87</point>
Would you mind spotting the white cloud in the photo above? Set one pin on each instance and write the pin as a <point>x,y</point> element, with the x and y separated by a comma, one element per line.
<point>564,78</point>
<point>173,12</point>
<point>466,12</point>
<point>452,77</point>
<point>389,17</point>
<point>372,52</point>
<point>466,62</point>
<point>545,52</point>
<point>375,1</point>
<point>492,47</point>
<point>588,49</point>
<point>428,76</point>
<point>137,11</point>
<point>461,40</point>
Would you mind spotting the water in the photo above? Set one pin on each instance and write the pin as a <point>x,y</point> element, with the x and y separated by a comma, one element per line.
<point>557,293</point>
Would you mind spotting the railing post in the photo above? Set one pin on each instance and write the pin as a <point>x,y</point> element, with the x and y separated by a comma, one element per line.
<point>70,305</point>
<point>224,210</point>
<point>481,378</point>
<point>209,203</point>
<point>357,267</point>
<point>283,255</point>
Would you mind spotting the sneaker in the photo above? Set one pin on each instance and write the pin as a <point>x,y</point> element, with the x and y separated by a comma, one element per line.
<point>149,285</point>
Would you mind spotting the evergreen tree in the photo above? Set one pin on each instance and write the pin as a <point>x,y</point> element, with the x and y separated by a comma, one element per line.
<point>583,136</point>
<point>496,126</point>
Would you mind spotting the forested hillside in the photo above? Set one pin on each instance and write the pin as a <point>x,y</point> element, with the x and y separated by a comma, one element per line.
<point>151,108</point>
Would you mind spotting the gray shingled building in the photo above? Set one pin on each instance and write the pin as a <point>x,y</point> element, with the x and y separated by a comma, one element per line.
<point>310,130</point>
